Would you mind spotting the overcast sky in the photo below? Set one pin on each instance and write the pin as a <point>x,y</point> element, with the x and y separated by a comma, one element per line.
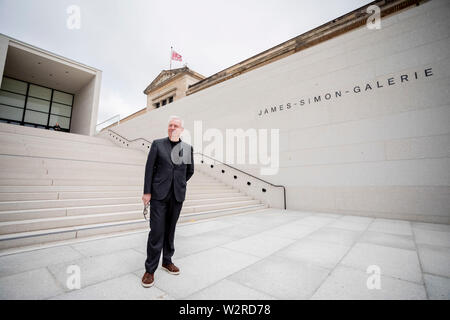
<point>130,40</point>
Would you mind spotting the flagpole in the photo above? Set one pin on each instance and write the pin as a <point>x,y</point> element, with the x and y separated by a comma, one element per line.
<point>171,49</point>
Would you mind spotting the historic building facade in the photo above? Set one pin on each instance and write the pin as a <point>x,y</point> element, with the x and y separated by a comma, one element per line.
<point>170,85</point>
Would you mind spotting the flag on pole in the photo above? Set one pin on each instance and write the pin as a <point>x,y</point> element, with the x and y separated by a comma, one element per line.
<point>176,56</point>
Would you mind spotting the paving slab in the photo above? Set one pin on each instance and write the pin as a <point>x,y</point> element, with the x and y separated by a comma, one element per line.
<point>397,263</point>
<point>432,237</point>
<point>357,219</point>
<point>270,254</point>
<point>200,270</point>
<point>431,226</point>
<point>24,261</point>
<point>391,226</point>
<point>108,245</point>
<point>229,290</point>
<point>267,221</point>
<point>243,230</point>
<point>260,245</point>
<point>185,246</point>
<point>335,235</point>
<point>291,231</point>
<point>351,284</point>
<point>202,227</point>
<point>351,223</point>
<point>323,254</point>
<point>438,288</point>
<point>316,221</point>
<point>35,284</point>
<point>435,260</point>
<point>389,240</point>
<point>282,278</point>
<point>99,268</point>
<point>329,215</point>
<point>121,288</point>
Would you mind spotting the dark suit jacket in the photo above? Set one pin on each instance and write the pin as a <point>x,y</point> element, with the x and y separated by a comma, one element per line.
<point>161,169</point>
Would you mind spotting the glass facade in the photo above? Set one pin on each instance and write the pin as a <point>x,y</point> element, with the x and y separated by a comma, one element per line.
<point>32,105</point>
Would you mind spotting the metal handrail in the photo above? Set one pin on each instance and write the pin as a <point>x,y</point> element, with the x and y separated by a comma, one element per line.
<point>204,155</point>
<point>129,141</point>
<point>273,185</point>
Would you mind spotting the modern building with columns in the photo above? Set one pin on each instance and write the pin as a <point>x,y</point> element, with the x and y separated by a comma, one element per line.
<point>363,113</point>
<point>40,89</point>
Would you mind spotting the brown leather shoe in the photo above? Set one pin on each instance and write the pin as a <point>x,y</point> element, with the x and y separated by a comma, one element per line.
<point>171,268</point>
<point>147,280</point>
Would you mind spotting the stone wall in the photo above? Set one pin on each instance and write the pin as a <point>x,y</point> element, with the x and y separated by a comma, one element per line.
<point>364,118</point>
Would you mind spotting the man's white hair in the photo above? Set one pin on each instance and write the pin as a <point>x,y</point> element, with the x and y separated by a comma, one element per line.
<point>176,118</point>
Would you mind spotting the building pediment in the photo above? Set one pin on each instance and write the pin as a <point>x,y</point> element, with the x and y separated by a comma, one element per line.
<point>166,75</point>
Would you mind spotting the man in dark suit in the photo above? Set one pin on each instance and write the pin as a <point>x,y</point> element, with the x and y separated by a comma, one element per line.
<point>170,164</point>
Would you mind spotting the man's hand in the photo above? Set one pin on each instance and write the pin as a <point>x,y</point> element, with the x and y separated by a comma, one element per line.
<point>146,198</point>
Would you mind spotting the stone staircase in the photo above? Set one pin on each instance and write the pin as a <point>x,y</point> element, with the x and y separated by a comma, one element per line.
<point>59,186</point>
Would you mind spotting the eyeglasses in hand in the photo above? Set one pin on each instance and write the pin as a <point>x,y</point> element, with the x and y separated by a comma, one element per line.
<point>145,212</point>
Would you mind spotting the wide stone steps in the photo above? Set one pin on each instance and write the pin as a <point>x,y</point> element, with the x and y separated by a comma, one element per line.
<point>14,215</point>
<point>17,139</point>
<point>69,169</point>
<point>83,219</point>
<point>87,188</point>
<point>41,204</point>
<point>77,152</point>
<point>19,196</point>
<point>58,136</point>
<point>39,237</point>
<point>56,186</point>
<point>44,152</point>
<point>24,144</point>
<point>54,160</point>
<point>73,173</point>
<point>82,182</point>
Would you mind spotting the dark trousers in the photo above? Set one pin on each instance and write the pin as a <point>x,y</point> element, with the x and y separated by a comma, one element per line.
<point>163,219</point>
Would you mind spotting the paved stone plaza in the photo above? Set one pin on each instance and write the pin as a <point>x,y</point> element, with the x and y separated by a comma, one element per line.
<point>270,254</point>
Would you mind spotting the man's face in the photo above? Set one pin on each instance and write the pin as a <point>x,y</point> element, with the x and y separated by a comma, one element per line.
<point>175,129</point>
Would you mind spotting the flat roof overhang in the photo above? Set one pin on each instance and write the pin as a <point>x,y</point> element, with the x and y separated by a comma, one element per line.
<point>40,67</point>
